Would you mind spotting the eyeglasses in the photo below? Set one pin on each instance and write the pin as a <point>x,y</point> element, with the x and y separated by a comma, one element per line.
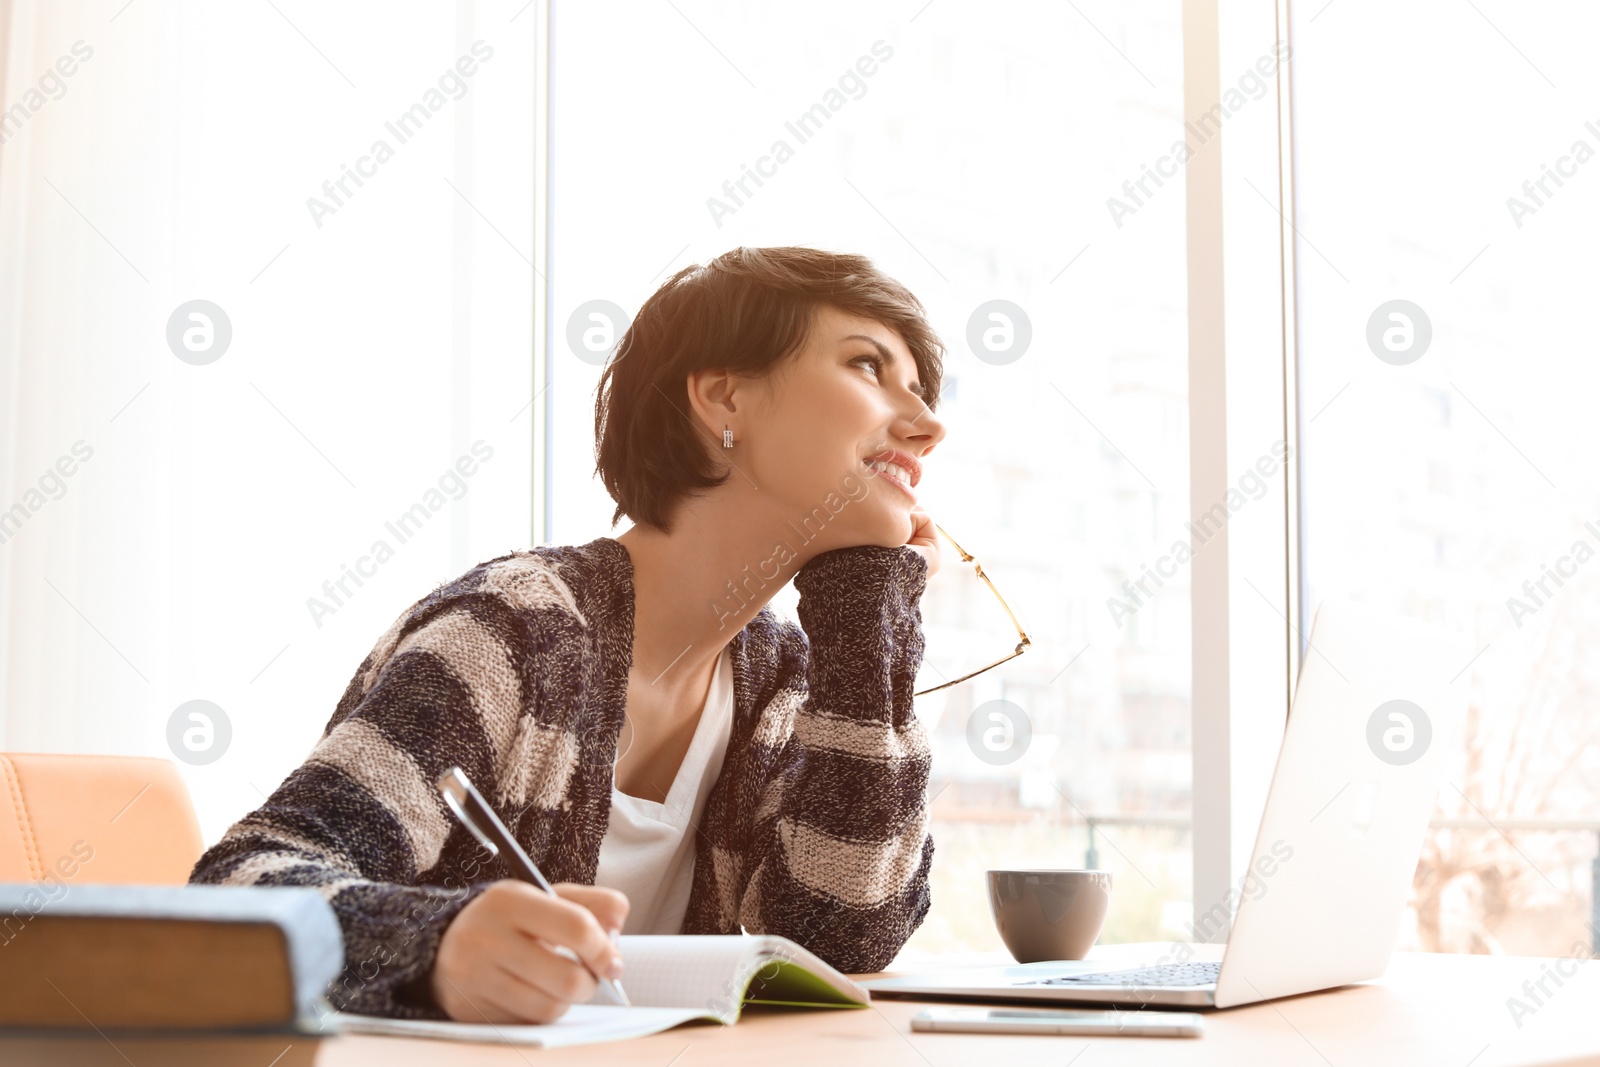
<point>1022,638</point>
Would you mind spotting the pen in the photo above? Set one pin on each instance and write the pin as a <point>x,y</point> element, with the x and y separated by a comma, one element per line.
<point>463,799</point>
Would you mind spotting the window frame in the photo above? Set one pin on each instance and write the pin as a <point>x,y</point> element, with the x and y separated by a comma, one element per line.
<point>1247,611</point>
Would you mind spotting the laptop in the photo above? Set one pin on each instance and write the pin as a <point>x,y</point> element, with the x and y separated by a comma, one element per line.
<point>1320,902</point>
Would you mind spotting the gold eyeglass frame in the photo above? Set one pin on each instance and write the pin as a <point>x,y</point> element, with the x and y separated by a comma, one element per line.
<point>1022,642</point>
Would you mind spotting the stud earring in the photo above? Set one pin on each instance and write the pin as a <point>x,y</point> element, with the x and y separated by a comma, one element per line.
<point>727,437</point>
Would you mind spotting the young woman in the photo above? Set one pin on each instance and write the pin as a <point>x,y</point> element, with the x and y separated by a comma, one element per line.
<point>674,756</point>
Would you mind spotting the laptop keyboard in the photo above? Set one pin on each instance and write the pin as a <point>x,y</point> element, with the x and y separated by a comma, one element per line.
<point>1168,975</point>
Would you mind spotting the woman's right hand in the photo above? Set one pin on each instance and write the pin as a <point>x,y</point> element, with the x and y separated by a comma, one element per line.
<point>496,962</point>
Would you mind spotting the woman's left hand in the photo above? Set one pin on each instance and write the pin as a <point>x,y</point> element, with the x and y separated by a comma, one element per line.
<point>925,538</point>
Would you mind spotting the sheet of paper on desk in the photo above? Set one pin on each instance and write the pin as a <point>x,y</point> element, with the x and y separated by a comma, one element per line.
<point>583,1024</point>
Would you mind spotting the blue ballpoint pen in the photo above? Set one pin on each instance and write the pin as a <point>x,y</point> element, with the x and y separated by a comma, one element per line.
<point>464,800</point>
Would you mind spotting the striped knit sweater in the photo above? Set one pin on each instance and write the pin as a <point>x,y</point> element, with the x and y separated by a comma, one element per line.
<point>816,829</point>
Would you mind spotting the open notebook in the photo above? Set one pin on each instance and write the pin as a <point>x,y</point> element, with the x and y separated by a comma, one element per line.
<point>671,980</point>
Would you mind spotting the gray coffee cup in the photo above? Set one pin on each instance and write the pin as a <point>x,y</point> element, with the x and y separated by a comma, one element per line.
<point>1049,915</point>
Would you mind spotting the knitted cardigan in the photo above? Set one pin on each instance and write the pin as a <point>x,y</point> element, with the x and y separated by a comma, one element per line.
<point>517,671</point>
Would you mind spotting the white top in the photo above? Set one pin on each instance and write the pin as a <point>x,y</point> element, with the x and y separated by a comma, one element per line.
<point>648,849</point>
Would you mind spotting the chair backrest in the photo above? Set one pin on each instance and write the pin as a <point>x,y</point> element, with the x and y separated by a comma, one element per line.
<point>76,819</point>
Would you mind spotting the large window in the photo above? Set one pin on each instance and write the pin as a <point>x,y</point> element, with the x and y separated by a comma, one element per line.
<point>1001,166</point>
<point>1446,334</point>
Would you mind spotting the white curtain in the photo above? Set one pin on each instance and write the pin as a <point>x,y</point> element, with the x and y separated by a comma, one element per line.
<point>181,521</point>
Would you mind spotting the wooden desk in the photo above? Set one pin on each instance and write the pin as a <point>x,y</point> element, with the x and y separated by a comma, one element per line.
<point>1428,1009</point>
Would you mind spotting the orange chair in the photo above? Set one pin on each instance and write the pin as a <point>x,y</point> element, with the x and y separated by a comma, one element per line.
<point>80,819</point>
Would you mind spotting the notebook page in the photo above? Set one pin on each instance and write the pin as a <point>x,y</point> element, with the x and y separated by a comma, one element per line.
<point>583,1024</point>
<point>705,972</point>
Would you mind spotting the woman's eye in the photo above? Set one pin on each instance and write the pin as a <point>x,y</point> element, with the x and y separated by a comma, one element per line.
<point>876,363</point>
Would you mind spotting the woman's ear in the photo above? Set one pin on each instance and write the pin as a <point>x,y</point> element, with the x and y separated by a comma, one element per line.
<point>715,397</point>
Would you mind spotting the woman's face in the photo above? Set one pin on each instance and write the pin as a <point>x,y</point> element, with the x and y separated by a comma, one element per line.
<point>819,436</point>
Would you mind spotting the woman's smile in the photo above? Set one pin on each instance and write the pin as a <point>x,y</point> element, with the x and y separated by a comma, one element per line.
<point>897,468</point>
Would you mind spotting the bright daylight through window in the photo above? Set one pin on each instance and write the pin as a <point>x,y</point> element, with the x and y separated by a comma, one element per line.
<point>1065,471</point>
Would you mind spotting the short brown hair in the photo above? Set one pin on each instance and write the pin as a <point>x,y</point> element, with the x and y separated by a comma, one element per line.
<point>748,311</point>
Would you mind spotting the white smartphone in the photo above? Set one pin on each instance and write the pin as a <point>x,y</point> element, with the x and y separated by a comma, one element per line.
<point>1059,1021</point>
